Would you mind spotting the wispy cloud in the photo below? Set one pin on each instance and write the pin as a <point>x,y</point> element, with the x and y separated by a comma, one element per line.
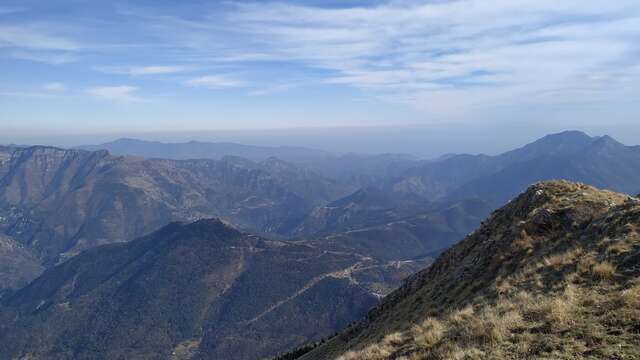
<point>121,93</point>
<point>10,10</point>
<point>446,57</point>
<point>443,55</point>
<point>272,89</point>
<point>25,94</point>
<point>53,58</point>
<point>214,82</point>
<point>35,36</point>
<point>146,70</point>
<point>54,87</point>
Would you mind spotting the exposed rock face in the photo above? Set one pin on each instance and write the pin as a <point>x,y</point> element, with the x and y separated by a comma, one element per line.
<point>553,274</point>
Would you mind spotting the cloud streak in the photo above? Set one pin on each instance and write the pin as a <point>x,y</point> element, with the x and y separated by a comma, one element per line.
<point>450,58</point>
<point>214,82</point>
<point>441,56</point>
<point>35,37</point>
<point>54,87</point>
<point>120,93</point>
<point>146,70</point>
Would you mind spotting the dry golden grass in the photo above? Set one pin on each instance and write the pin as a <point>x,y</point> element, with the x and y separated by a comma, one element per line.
<point>523,242</point>
<point>631,297</point>
<point>519,323</point>
<point>603,271</point>
<point>618,247</point>
<point>429,333</point>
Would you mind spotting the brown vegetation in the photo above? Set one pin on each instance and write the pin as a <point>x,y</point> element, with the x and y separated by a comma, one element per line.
<point>553,275</point>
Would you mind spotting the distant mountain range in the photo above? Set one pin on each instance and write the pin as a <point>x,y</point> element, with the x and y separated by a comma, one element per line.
<point>55,203</point>
<point>205,150</point>
<point>571,155</point>
<point>355,170</point>
<point>367,220</point>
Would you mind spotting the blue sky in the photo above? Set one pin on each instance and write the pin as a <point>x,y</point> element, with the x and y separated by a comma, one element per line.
<point>80,66</point>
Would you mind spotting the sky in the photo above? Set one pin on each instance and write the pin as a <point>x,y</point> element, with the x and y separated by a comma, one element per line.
<point>78,67</point>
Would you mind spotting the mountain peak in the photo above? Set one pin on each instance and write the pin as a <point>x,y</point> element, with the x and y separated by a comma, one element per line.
<point>607,146</point>
<point>214,225</point>
<point>211,230</point>
<point>563,143</point>
<point>608,141</point>
<point>569,138</point>
<point>567,134</point>
<point>558,194</point>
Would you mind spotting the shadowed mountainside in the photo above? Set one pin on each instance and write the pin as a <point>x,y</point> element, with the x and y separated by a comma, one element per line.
<point>200,290</point>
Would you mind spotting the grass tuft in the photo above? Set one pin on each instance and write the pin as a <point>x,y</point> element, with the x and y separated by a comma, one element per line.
<point>603,271</point>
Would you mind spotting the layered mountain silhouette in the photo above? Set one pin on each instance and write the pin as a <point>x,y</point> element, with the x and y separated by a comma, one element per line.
<point>553,274</point>
<point>334,235</point>
<point>206,150</point>
<point>59,202</point>
<point>355,170</point>
<point>571,155</point>
<point>55,203</point>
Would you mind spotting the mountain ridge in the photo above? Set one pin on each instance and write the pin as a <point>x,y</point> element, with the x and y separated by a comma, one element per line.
<point>188,285</point>
<point>205,150</point>
<point>537,279</point>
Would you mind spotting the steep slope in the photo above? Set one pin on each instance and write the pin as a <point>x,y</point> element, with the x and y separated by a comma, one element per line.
<point>18,265</point>
<point>403,234</point>
<point>200,290</point>
<point>59,202</point>
<point>553,274</point>
<point>367,206</point>
<point>360,170</point>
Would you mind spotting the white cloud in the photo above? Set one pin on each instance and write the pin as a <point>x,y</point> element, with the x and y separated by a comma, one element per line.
<point>54,87</point>
<point>35,37</point>
<point>121,93</point>
<point>214,82</point>
<point>442,56</point>
<point>273,89</point>
<point>50,57</point>
<point>146,70</point>
<point>448,56</point>
<point>25,94</point>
